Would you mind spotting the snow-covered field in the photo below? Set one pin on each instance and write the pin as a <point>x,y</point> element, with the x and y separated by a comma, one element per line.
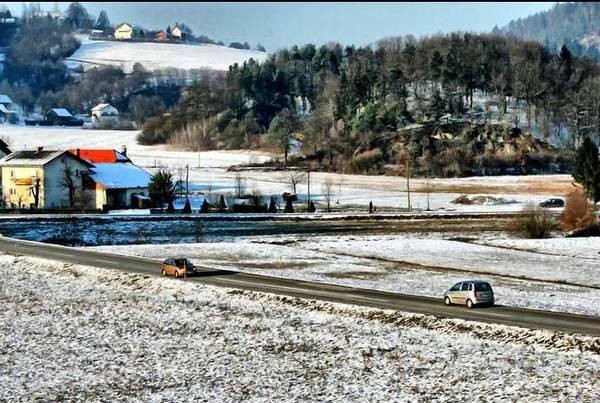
<point>155,56</point>
<point>79,333</point>
<point>406,264</point>
<point>208,174</point>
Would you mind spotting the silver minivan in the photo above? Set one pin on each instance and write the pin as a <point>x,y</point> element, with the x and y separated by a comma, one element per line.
<point>470,293</point>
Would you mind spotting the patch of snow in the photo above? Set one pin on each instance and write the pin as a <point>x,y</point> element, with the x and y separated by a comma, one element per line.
<point>92,334</point>
<point>156,56</point>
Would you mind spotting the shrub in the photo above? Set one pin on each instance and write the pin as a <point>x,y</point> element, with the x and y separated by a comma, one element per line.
<point>535,222</point>
<point>368,161</point>
<point>578,212</point>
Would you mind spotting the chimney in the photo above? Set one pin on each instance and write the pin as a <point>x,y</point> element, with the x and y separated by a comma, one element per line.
<point>39,149</point>
<point>79,153</point>
<point>124,150</point>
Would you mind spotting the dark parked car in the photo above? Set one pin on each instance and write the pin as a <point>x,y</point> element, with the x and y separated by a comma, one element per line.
<point>553,203</point>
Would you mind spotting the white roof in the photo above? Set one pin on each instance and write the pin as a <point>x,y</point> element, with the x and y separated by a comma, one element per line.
<point>62,112</point>
<point>5,99</point>
<point>120,176</point>
<point>32,157</point>
<point>99,107</point>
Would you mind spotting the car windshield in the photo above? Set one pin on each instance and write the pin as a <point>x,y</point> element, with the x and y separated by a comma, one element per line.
<point>181,262</point>
<point>482,287</point>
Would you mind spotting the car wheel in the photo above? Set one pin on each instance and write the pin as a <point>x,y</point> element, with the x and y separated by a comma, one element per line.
<point>447,301</point>
<point>164,273</point>
<point>469,303</point>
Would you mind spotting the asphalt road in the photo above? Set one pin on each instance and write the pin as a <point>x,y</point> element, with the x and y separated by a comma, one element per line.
<point>528,318</point>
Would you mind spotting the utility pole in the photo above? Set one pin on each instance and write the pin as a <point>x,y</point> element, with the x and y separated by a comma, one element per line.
<point>408,184</point>
<point>187,177</point>
<point>308,200</point>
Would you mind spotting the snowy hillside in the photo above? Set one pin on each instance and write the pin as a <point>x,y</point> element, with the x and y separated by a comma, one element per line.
<point>155,56</point>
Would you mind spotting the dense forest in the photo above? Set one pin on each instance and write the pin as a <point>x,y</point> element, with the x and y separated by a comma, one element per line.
<point>362,109</point>
<point>577,25</point>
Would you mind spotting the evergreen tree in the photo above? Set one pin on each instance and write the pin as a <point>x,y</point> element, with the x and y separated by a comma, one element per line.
<point>161,188</point>
<point>205,208</point>
<point>187,208</point>
<point>289,207</point>
<point>77,17</point>
<point>272,206</point>
<point>102,23</point>
<point>170,207</point>
<point>280,133</point>
<point>222,205</point>
<point>586,169</point>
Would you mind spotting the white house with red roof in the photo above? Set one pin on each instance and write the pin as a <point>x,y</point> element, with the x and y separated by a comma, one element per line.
<point>114,179</point>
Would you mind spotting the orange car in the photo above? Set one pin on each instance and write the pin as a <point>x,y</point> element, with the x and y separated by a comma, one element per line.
<point>177,267</point>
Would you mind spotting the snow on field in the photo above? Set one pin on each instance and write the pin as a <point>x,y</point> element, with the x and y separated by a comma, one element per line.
<point>24,137</point>
<point>425,267</point>
<point>586,248</point>
<point>208,174</point>
<point>470,257</point>
<point>156,56</point>
<point>79,333</point>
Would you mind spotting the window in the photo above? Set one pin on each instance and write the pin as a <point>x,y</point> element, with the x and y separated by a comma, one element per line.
<point>13,191</point>
<point>12,173</point>
<point>456,287</point>
<point>482,287</point>
<point>466,287</point>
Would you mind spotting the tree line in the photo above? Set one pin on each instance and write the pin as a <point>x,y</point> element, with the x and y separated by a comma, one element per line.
<point>350,107</point>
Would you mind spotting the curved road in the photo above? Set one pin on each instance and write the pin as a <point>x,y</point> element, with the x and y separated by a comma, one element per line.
<point>529,318</point>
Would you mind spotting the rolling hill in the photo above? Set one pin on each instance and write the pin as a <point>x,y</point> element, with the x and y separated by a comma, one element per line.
<point>157,56</point>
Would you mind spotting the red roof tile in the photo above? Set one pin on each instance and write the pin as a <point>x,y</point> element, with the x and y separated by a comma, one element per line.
<point>99,156</point>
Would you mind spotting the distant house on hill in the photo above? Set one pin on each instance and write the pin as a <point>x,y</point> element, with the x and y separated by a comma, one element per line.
<point>124,31</point>
<point>8,112</point>
<point>161,36</point>
<point>176,32</point>
<point>103,112</point>
<point>61,117</point>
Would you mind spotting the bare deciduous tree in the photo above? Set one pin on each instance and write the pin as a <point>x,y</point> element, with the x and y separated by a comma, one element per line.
<point>295,178</point>
<point>240,185</point>
<point>427,189</point>
<point>68,182</point>
<point>35,191</point>
<point>327,190</point>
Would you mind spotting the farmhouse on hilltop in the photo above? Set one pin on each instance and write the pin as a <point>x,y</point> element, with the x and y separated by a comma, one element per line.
<point>124,31</point>
<point>176,32</point>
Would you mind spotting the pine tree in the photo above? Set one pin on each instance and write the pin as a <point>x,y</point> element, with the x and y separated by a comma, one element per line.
<point>289,207</point>
<point>205,207</point>
<point>222,205</point>
<point>161,188</point>
<point>187,208</point>
<point>102,23</point>
<point>586,169</point>
<point>272,206</point>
